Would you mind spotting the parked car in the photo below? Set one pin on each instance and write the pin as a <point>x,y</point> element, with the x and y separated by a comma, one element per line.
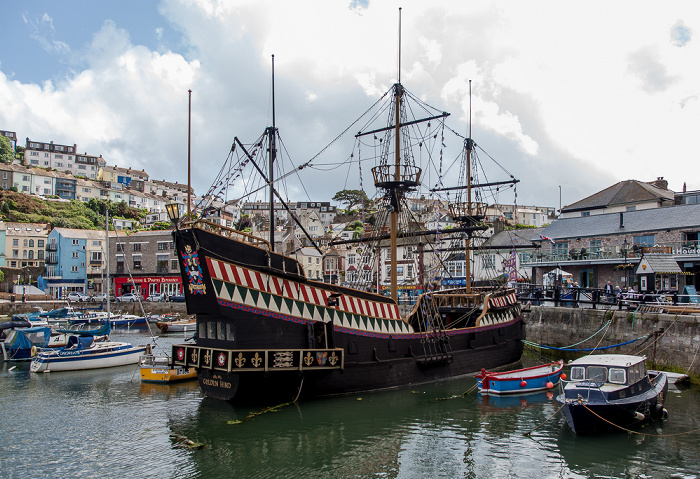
<point>128,298</point>
<point>179,298</point>
<point>156,297</point>
<point>78,296</point>
<point>100,297</point>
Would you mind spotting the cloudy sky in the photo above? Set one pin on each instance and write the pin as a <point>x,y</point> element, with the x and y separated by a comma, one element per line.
<point>568,96</point>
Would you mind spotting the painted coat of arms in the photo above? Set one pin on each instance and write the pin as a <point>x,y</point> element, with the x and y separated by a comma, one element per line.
<point>195,278</point>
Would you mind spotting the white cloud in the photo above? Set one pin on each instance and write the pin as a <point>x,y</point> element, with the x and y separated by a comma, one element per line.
<point>559,93</point>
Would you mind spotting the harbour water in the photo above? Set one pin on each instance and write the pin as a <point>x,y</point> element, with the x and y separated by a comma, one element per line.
<point>108,424</point>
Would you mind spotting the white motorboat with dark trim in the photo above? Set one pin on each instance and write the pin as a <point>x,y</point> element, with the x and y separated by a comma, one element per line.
<point>612,391</point>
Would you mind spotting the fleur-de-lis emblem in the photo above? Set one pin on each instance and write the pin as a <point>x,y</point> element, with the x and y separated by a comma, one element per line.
<point>207,358</point>
<point>194,356</point>
<point>333,359</point>
<point>256,360</point>
<point>308,359</point>
<point>240,360</point>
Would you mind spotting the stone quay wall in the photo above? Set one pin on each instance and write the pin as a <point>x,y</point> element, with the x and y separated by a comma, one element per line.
<point>674,344</point>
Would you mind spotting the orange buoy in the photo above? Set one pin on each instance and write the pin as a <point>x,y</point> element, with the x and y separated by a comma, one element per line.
<point>523,383</point>
<point>549,385</point>
<point>562,375</point>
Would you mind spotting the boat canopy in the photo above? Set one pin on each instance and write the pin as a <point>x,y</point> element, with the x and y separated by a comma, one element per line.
<point>28,337</point>
<point>79,342</point>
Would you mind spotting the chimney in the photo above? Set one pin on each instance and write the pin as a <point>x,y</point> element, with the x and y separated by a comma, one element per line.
<point>660,183</point>
<point>622,220</point>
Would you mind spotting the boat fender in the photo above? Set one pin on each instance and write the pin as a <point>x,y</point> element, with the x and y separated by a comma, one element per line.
<point>563,376</point>
<point>664,414</point>
<point>34,351</point>
<point>658,412</point>
<point>523,383</point>
<point>549,384</point>
<point>639,416</point>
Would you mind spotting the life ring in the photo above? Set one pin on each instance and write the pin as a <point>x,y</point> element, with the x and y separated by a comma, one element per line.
<point>34,351</point>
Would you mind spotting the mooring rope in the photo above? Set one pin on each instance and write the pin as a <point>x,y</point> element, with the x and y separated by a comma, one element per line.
<point>543,346</point>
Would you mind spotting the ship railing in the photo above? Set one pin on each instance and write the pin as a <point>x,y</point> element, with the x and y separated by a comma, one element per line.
<point>385,176</point>
<point>232,233</point>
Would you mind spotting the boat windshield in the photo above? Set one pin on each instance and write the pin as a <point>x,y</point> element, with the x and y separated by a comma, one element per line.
<point>592,373</point>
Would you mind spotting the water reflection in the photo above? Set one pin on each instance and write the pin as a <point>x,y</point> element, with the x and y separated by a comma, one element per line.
<point>73,424</point>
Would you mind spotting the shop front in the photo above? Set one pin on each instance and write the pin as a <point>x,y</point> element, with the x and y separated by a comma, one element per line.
<point>148,285</point>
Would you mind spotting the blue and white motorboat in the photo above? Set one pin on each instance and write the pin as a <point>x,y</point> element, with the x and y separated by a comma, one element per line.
<point>612,391</point>
<point>85,353</point>
<point>519,381</point>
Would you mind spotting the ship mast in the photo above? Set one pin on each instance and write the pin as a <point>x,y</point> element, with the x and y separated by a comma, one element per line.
<point>271,132</point>
<point>467,241</point>
<point>394,216</point>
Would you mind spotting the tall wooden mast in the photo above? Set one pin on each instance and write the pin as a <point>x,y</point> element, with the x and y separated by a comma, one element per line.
<point>470,213</point>
<point>189,142</point>
<point>272,132</point>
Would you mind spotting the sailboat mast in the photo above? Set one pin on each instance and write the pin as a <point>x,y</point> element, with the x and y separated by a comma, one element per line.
<point>109,279</point>
<point>273,154</point>
<point>189,144</point>
<point>467,258</point>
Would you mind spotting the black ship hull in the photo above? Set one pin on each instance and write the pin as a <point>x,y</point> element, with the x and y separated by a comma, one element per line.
<point>266,333</point>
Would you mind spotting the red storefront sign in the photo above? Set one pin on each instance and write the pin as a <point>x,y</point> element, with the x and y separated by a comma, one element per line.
<point>144,281</point>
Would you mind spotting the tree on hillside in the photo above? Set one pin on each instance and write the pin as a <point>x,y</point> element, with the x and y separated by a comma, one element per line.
<point>352,198</point>
<point>6,153</point>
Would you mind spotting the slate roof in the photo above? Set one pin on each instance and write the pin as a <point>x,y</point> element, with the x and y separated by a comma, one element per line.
<point>622,193</point>
<point>507,238</point>
<point>655,219</point>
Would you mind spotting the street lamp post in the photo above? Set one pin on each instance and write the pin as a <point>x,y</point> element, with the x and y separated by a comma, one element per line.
<point>627,276</point>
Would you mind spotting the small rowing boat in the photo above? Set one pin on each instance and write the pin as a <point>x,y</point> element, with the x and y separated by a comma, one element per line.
<point>518,381</point>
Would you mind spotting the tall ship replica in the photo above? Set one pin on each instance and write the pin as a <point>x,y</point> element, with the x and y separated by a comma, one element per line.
<point>267,332</point>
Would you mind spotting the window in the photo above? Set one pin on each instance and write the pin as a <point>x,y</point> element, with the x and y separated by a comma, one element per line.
<point>96,256</point>
<point>561,249</point>
<point>643,240</point>
<point>15,253</point>
<point>309,260</point>
<point>120,247</point>
<point>162,263</point>
<point>40,254</point>
<point>75,254</point>
<point>585,214</point>
<point>15,242</point>
<point>137,261</point>
<point>173,264</point>
<point>598,374</point>
<point>488,261</point>
<point>25,243</point>
<point>74,269</point>
<point>75,242</point>
<point>595,246</point>
<point>31,243</point>
<point>137,246</point>
<point>617,376</point>
<point>31,254</point>
<point>578,373</point>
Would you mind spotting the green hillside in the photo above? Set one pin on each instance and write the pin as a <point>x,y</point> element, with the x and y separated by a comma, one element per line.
<point>23,208</point>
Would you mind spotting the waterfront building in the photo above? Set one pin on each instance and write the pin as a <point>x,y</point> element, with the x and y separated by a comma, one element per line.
<point>145,262</point>
<point>25,244</point>
<point>599,248</point>
<point>625,196</point>
<point>75,261</point>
